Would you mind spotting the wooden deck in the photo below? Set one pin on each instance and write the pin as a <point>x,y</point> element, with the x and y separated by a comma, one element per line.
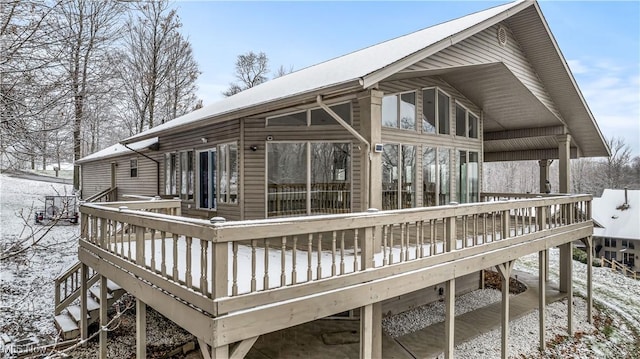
<point>229,282</point>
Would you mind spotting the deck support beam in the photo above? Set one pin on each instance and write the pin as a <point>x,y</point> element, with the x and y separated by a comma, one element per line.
<point>588,243</point>
<point>371,130</point>
<point>450,317</point>
<point>209,352</point>
<point>240,350</point>
<point>566,269</point>
<point>505,272</point>
<point>141,329</point>
<point>84,277</point>
<point>371,331</point>
<point>103,317</point>
<point>542,295</point>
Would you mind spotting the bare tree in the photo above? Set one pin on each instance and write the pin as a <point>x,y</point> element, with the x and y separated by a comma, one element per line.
<point>615,166</point>
<point>158,65</point>
<point>251,70</point>
<point>281,71</point>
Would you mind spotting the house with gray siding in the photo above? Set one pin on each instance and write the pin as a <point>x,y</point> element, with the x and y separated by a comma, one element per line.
<point>376,155</point>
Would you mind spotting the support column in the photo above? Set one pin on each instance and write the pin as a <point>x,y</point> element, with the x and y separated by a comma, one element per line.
<point>505,272</point>
<point>564,152</point>
<point>103,317</point>
<point>588,242</point>
<point>84,332</point>
<point>450,317</point>
<point>141,329</point>
<point>542,295</point>
<point>544,175</point>
<point>566,269</point>
<point>366,332</point>
<point>371,129</point>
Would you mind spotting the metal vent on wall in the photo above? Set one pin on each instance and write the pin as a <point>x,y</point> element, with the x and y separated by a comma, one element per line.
<point>502,36</point>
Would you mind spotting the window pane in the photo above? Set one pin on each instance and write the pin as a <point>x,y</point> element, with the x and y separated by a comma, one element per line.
<point>390,177</point>
<point>390,111</point>
<point>473,126</point>
<point>287,179</point>
<point>408,176</point>
<point>408,111</point>
<point>203,198</point>
<point>429,111</point>
<point>444,196</point>
<point>213,179</point>
<point>233,173</point>
<point>330,178</point>
<point>223,195</point>
<point>190,174</point>
<point>294,119</point>
<point>184,174</point>
<point>474,189</point>
<point>429,177</point>
<point>461,123</point>
<point>462,177</point>
<point>320,117</point>
<point>133,166</point>
<point>443,113</point>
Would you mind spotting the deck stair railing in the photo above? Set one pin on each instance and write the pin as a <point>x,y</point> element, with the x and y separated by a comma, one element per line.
<point>620,267</point>
<point>107,195</point>
<point>203,263</point>
<point>67,284</point>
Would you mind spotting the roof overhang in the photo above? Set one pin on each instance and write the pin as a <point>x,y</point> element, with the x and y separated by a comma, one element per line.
<point>149,144</point>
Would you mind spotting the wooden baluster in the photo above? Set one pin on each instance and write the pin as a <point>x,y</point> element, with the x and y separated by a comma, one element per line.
<point>484,228</point>
<point>309,256</point>
<point>294,260</point>
<point>432,236</point>
<point>253,265</point>
<point>390,244</point>
<point>103,234</point>
<point>176,276</point>
<point>153,250</point>
<point>204,283</point>
<point>265,284</point>
<point>129,242</point>
<point>234,285</point>
<point>333,253</point>
<point>342,253</point>
<point>385,234</point>
<point>419,239</point>
<point>122,239</point>
<point>188,278</point>
<point>140,255</point>
<point>283,258</point>
<point>402,244</point>
<point>94,230</point>
<point>356,266</point>
<point>493,224</point>
<point>163,263</point>
<point>319,269</point>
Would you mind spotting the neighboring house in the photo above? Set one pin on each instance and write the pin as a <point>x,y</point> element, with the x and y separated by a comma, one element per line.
<point>403,125</point>
<point>616,232</point>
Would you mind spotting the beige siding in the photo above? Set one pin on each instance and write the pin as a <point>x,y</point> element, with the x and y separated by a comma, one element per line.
<point>144,184</point>
<point>484,48</point>
<point>96,177</point>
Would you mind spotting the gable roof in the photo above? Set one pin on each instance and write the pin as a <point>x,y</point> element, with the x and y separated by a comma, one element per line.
<point>357,69</point>
<point>617,223</point>
<point>362,69</point>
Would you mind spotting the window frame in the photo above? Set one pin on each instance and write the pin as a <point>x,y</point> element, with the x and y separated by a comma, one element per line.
<point>398,96</point>
<point>467,117</point>
<point>211,177</point>
<point>133,168</point>
<point>227,173</point>
<point>437,91</point>
<point>307,113</point>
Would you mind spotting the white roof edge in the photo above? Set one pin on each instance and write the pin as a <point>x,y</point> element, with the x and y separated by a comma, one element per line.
<point>119,149</point>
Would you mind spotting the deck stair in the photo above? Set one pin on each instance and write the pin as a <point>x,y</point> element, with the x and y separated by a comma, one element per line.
<point>68,312</point>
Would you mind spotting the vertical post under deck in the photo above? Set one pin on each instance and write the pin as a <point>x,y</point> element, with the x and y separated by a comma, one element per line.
<point>141,329</point>
<point>449,324</point>
<point>83,301</point>
<point>366,331</point>
<point>542,295</point>
<point>505,272</point>
<point>589,244</point>
<point>566,266</point>
<point>103,317</point>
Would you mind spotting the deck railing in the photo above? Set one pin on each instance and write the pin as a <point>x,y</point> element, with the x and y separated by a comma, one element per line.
<point>67,286</point>
<point>617,266</point>
<point>107,195</point>
<point>202,262</point>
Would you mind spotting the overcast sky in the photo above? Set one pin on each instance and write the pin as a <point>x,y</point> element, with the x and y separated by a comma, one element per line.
<point>599,39</point>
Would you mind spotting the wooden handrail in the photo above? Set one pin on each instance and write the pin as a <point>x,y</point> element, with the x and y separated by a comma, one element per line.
<point>620,266</point>
<point>106,195</point>
<point>67,286</point>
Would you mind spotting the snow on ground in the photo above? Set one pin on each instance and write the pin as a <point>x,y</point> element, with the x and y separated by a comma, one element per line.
<point>26,280</point>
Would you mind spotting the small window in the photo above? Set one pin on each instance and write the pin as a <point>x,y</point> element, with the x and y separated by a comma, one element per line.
<point>473,126</point>
<point>292,119</point>
<point>320,117</point>
<point>133,168</point>
<point>466,123</point>
<point>399,111</point>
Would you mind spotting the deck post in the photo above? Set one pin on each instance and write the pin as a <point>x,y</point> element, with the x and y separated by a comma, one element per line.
<point>450,317</point>
<point>542,295</point>
<point>564,153</point>
<point>141,329</point>
<point>371,129</point>
<point>566,264</point>
<point>544,175</point>
<point>370,315</point>
<point>84,269</point>
<point>505,272</point>
<point>588,242</point>
<point>103,317</point>
<point>541,214</point>
<point>366,332</point>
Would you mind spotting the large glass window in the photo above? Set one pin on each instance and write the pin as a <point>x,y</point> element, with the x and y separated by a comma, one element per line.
<point>186,175</point>
<point>468,173</point>
<point>207,179</point>
<point>444,193</point>
<point>398,182</point>
<point>466,123</point>
<point>399,111</point>
<point>435,111</point>
<point>429,177</point>
<point>313,117</point>
<point>228,164</point>
<point>171,174</point>
<point>308,178</point>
